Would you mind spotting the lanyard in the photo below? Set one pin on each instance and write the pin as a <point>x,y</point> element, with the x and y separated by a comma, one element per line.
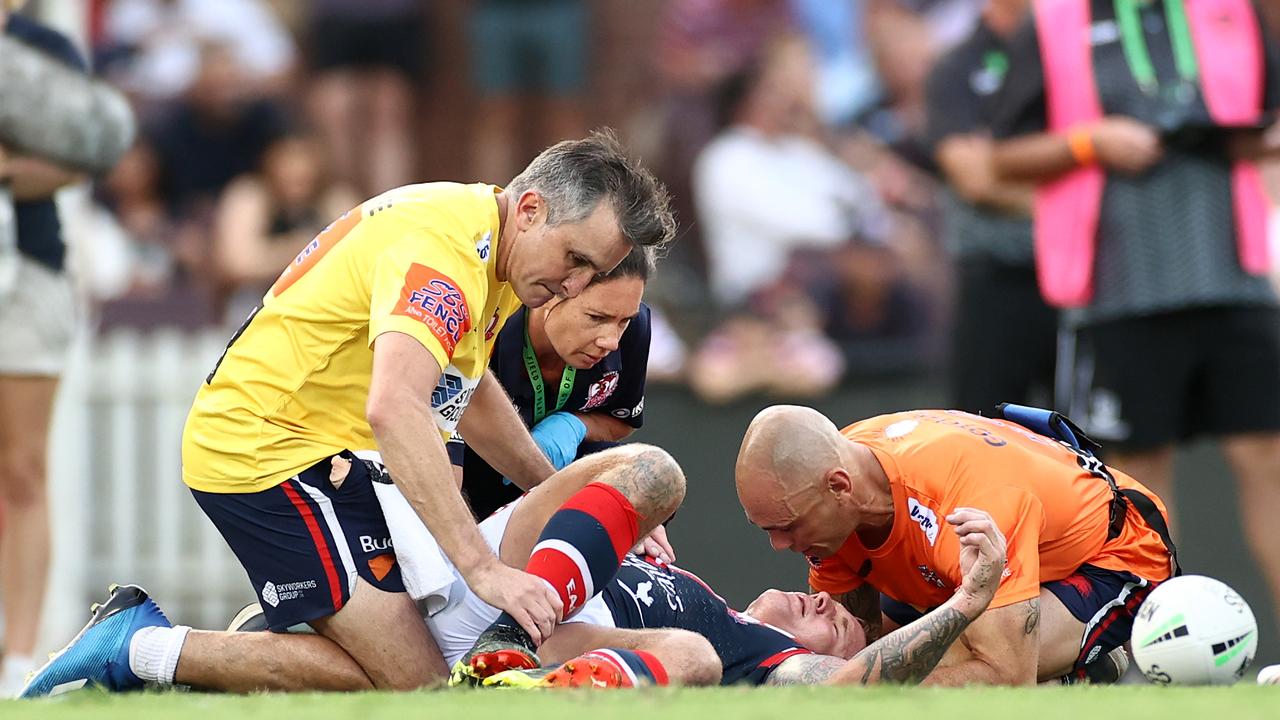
<point>535,379</point>
<point>1135,43</point>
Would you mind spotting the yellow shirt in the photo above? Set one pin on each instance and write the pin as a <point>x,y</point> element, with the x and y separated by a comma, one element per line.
<point>291,388</point>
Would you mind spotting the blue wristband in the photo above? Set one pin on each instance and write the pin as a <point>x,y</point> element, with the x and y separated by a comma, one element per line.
<point>559,435</point>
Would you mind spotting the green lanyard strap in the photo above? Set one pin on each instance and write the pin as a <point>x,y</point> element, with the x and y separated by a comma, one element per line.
<point>1134,42</point>
<point>535,379</point>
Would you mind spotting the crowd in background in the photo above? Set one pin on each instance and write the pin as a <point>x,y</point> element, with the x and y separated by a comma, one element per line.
<point>792,133</point>
<point>789,132</point>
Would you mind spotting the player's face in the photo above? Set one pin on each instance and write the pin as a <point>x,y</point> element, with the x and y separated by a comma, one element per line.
<point>587,328</point>
<point>559,261</point>
<point>817,622</point>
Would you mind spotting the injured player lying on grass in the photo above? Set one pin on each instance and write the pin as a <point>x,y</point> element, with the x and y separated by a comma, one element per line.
<point>648,622</point>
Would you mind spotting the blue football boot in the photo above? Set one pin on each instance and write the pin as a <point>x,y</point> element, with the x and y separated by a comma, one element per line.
<point>99,654</point>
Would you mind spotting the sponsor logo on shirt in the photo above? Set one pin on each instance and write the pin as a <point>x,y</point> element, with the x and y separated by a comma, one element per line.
<point>483,244</point>
<point>901,429</point>
<point>925,518</point>
<point>600,390</point>
<point>435,300</point>
<point>931,576</point>
<point>451,397</point>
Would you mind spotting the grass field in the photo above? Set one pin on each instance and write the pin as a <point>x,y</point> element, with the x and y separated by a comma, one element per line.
<point>1243,702</point>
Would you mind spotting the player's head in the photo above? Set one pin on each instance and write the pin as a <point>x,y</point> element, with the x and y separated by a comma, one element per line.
<point>584,329</point>
<point>793,481</point>
<point>817,622</point>
<point>579,208</point>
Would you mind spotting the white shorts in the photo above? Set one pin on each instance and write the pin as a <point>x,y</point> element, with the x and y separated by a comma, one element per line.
<point>457,627</point>
<point>37,321</point>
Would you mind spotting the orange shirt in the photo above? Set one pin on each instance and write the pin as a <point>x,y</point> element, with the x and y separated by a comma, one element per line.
<point>1052,512</point>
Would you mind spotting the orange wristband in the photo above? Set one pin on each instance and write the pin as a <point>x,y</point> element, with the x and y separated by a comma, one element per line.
<point>1080,141</point>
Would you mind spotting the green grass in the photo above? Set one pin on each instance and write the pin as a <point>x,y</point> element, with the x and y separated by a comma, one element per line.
<point>1243,702</point>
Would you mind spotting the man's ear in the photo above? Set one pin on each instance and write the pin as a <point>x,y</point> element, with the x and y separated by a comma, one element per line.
<point>528,205</point>
<point>838,482</point>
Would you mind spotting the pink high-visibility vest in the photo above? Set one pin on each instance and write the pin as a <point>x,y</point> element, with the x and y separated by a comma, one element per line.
<point>1228,46</point>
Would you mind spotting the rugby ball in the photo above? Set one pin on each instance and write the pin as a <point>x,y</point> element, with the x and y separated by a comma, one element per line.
<point>1194,630</point>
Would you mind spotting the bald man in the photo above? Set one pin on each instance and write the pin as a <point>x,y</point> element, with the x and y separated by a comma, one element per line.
<point>867,506</point>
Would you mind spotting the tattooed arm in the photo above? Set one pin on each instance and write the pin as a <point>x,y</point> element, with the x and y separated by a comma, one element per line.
<point>1004,649</point>
<point>805,670</point>
<point>864,603</point>
<point>910,654</point>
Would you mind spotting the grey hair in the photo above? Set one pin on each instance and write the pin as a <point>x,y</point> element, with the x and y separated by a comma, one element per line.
<point>574,176</point>
<point>639,263</point>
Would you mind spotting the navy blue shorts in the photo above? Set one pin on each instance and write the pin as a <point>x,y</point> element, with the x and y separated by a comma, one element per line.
<point>303,542</point>
<point>1106,601</point>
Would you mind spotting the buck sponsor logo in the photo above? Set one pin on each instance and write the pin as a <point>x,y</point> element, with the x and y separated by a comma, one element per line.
<point>369,543</point>
<point>925,518</point>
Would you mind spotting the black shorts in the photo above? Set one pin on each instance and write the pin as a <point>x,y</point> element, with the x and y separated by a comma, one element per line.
<point>1143,383</point>
<point>303,543</point>
<point>396,43</point>
<point>1004,338</point>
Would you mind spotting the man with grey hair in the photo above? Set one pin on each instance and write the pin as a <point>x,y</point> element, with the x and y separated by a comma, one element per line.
<point>377,336</point>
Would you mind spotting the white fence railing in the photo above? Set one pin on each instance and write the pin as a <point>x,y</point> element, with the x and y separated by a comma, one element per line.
<point>120,510</point>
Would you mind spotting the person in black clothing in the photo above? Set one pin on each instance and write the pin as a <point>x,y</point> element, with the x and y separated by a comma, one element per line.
<point>37,321</point>
<point>1148,135</point>
<point>1004,336</point>
<point>575,371</point>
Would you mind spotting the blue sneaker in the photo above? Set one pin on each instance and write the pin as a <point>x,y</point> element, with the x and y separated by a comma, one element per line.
<point>99,654</point>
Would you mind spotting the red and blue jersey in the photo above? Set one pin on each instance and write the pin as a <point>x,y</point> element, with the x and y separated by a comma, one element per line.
<point>649,594</point>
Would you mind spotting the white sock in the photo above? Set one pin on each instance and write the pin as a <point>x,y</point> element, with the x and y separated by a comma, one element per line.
<point>13,673</point>
<point>154,651</point>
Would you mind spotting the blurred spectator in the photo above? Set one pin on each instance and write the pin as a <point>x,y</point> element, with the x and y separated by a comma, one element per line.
<point>1004,336</point>
<point>153,48</point>
<point>37,321</point>
<point>780,215</point>
<point>847,81</point>
<point>264,219</point>
<point>132,191</point>
<point>216,132</point>
<point>700,44</point>
<point>524,50</point>
<point>368,56</point>
<point>1150,227</point>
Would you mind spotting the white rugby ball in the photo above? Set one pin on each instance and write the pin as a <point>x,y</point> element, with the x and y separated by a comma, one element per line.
<point>1194,630</point>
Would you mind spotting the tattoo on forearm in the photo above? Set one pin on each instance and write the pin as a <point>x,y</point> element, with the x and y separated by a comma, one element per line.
<point>909,654</point>
<point>1033,616</point>
<point>805,670</point>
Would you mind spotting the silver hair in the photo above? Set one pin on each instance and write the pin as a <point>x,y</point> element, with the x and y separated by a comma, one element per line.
<point>575,176</point>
